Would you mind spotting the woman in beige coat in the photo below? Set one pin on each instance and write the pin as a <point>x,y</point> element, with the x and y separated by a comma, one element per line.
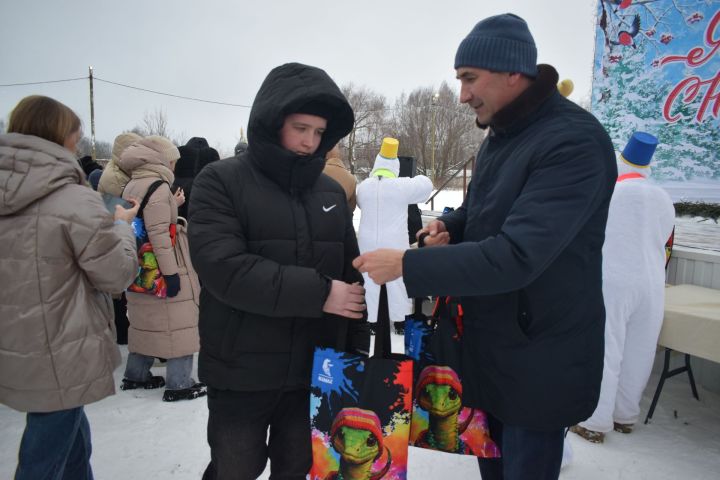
<point>162,327</point>
<point>62,257</point>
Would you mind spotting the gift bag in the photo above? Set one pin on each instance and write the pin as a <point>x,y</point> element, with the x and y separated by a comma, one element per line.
<point>149,278</point>
<point>439,419</point>
<point>360,410</point>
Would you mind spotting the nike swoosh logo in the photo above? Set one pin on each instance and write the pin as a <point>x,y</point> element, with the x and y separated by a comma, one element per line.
<point>327,209</point>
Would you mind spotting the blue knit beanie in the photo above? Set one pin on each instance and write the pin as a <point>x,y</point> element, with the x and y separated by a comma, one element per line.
<point>502,43</point>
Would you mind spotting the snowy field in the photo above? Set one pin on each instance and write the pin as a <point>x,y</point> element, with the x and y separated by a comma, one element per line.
<point>137,436</point>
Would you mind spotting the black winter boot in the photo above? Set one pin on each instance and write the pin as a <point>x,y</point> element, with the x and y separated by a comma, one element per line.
<point>196,391</point>
<point>155,381</point>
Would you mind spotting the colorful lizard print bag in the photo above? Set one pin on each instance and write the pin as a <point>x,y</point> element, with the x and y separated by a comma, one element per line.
<point>440,421</point>
<point>360,410</point>
<point>149,278</point>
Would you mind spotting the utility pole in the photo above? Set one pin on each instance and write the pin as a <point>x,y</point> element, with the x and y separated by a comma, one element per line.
<point>92,114</point>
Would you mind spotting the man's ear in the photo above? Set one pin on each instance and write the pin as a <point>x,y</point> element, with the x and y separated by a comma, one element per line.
<point>513,78</point>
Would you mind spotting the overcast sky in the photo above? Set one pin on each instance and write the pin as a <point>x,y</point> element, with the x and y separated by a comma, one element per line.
<point>222,49</point>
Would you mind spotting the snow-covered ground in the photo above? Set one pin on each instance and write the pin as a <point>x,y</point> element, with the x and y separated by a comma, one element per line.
<point>705,190</point>
<point>137,436</point>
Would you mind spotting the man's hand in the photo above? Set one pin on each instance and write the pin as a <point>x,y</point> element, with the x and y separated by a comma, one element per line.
<point>127,214</point>
<point>345,300</point>
<point>382,265</point>
<point>436,232</point>
<point>179,196</point>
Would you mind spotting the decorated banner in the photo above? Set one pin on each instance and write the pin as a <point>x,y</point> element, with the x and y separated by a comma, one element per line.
<point>657,69</point>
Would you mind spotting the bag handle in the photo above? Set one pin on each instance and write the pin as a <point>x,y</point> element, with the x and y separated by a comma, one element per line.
<point>154,186</point>
<point>417,302</point>
<point>383,346</point>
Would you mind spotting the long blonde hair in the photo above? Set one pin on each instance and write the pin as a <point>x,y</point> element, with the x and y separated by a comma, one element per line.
<point>43,117</point>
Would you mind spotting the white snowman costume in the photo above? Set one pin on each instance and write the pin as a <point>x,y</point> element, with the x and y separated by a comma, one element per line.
<point>640,221</point>
<point>383,201</point>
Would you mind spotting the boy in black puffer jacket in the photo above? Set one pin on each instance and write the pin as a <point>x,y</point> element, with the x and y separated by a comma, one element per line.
<point>273,242</point>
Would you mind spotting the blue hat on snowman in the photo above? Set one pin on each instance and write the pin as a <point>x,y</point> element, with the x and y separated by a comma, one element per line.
<point>639,150</point>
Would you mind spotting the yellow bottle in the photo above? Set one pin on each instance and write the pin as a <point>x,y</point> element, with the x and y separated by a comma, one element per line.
<point>386,159</point>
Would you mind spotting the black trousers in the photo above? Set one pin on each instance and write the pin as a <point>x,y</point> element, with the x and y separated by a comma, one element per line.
<point>526,454</point>
<point>121,320</point>
<point>237,433</point>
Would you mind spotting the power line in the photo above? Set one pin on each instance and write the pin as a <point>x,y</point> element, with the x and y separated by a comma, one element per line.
<point>171,94</point>
<point>194,99</point>
<point>43,82</point>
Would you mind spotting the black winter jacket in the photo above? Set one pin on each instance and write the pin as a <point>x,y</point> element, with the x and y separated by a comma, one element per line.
<point>526,262</point>
<point>267,231</point>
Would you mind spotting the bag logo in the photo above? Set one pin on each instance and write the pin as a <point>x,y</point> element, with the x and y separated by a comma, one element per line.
<point>327,209</point>
<point>326,376</point>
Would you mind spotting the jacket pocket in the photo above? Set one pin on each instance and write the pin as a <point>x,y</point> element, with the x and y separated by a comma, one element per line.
<point>504,318</point>
<point>523,314</point>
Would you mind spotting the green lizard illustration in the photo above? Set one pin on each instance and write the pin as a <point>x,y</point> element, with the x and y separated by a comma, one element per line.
<point>357,437</point>
<point>440,395</point>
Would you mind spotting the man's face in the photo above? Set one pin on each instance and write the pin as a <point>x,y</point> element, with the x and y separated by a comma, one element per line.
<point>301,133</point>
<point>484,91</point>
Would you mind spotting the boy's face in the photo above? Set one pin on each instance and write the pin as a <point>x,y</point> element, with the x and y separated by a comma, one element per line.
<point>301,133</point>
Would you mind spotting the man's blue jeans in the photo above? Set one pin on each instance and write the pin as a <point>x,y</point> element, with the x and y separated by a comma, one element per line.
<point>526,454</point>
<point>55,446</point>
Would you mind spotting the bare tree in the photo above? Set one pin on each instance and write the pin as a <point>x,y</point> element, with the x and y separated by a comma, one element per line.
<point>103,150</point>
<point>437,130</point>
<point>370,112</point>
<point>223,151</point>
<point>586,103</point>
<point>457,136</point>
<point>155,123</point>
<point>412,122</point>
<point>180,138</point>
<point>2,126</point>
